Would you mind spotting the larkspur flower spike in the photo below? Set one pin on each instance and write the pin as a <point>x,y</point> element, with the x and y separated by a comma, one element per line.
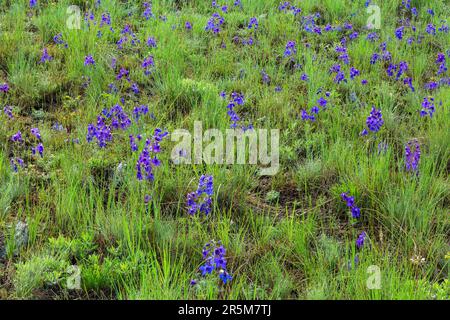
<point>214,260</point>
<point>412,156</point>
<point>350,202</point>
<point>201,199</point>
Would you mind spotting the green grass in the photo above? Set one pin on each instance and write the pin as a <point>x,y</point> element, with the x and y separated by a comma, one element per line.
<point>288,236</point>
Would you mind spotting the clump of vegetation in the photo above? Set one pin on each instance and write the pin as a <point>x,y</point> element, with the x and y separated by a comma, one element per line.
<point>111,202</point>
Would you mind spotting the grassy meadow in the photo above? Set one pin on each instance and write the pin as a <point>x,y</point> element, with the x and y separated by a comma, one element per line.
<point>76,222</point>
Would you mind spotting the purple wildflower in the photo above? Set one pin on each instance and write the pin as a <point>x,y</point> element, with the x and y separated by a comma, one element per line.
<point>412,156</point>
<point>375,120</point>
<point>35,132</point>
<point>399,32</point>
<point>431,29</point>
<point>354,73</point>
<point>17,137</point>
<point>432,85</point>
<point>8,111</point>
<point>214,260</point>
<point>4,87</point>
<point>290,49</point>
<point>350,202</point>
<point>360,240</point>
<point>123,73</point>
<point>408,81</point>
<point>148,157</point>
<point>200,200</point>
<point>38,149</point>
<point>214,23</point>
<point>253,23</point>
<point>45,56</point>
<point>59,40</point>
<point>148,64</point>
<point>151,42</point>
<point>16,163</point>
<point>148,11</point>
<point>427,107</point>
<point>139,111</point>
<point>133,144</point>
<point>89,60</point>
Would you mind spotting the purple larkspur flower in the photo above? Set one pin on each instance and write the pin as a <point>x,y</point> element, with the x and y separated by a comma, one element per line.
<point>430,29</point>
<point>354,73</point>
<point>151,42</point>
<point>135,88</point>
<point>373,36</point>
<point>17,137</point>
<point>391,69</point>
<point>237,99</point>
<point>265,77</point>
<point>109,120</point>
<point>4,87</point>
<point>133,144</point>
<point>16,163</point>
<point>148,157</point>
<point>399,32</point>
<point>375,120</point>
<point>123,73</point>
<point>105,19</point>
<point>340,76</point>
<point>427,107</point>
<point>148,13</point>
<point>307,117</point>
<point>45,56</point>
<point>38,149</point>
<point>214,257</point>
<point>253,23</point>
<point>432,85</point>
<point>290,49</point>
<point>8,111</point>
<point>58,39</point>
<point>89,60</point>
<point>350,202</point>
<point>35,132</point>
<point>148,64</point>
<point>322,102</point>
<point>139,111</point>
<point>200,200</point>
<point>214,23</point>
<point>412,156</point>
<point>361,239</point>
